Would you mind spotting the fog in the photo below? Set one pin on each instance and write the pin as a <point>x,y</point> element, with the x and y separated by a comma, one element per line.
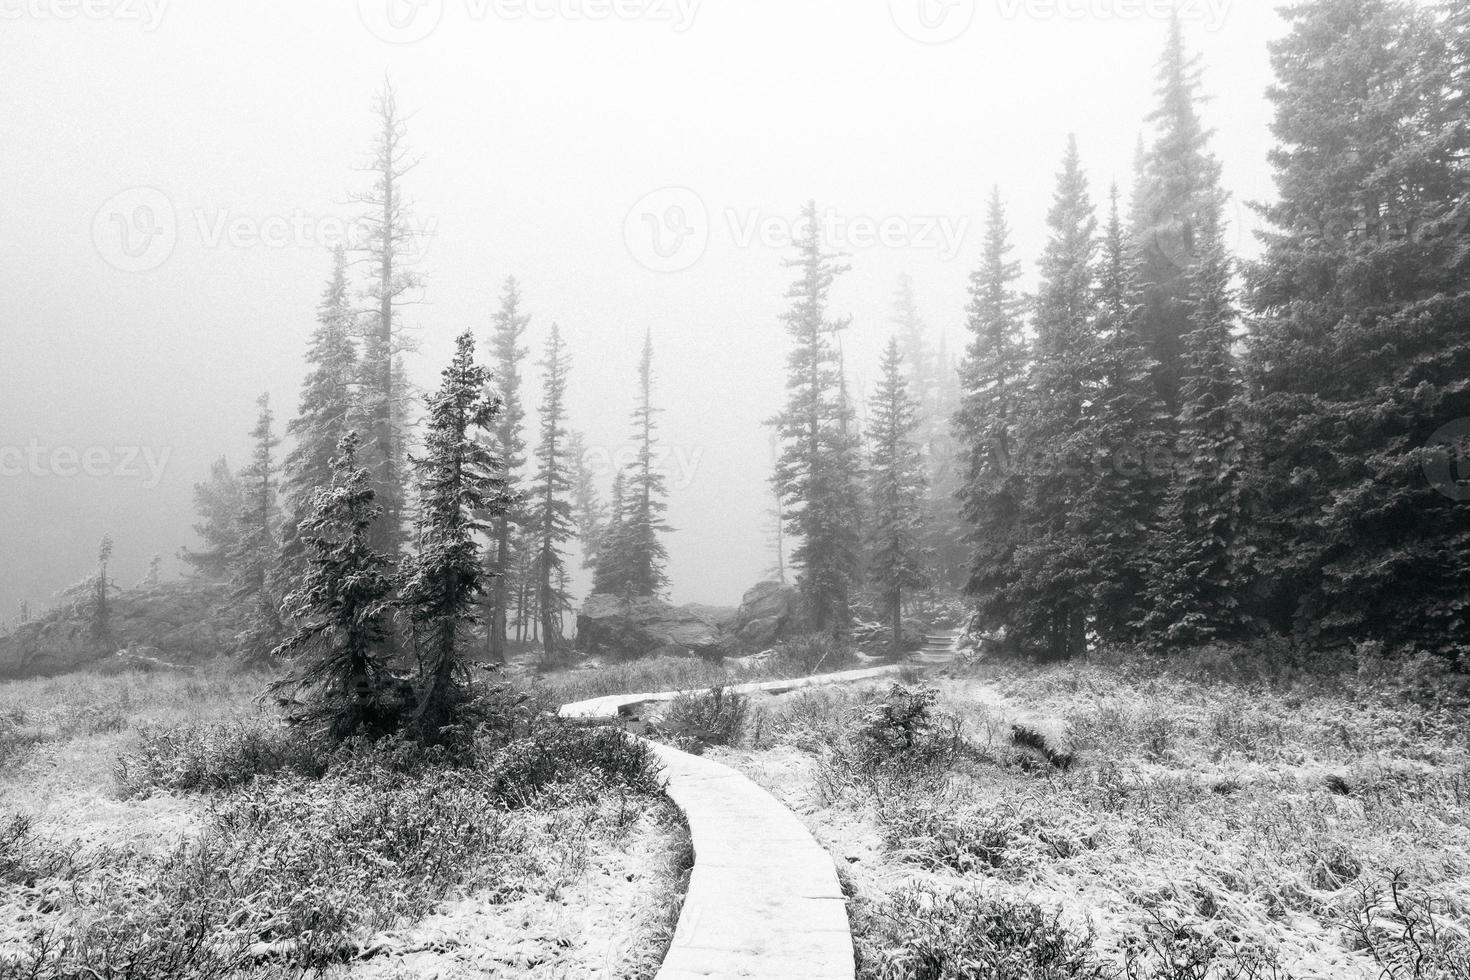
<point>634,164</point>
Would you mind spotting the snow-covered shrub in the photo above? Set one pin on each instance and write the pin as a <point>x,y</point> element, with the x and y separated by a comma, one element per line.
<point>997,836</point>
<point>812,653</point>
<point>700,718</point>
<point>525,767</point>
<point>199,757</point>
<point>928,933</point>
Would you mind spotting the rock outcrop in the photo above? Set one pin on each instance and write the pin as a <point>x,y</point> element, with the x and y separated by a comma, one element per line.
<point>643,627</point>
<point>769,611</point>
<point>175,622</point>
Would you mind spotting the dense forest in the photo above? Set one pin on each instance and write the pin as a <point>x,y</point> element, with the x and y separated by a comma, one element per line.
<point>1160,447</point>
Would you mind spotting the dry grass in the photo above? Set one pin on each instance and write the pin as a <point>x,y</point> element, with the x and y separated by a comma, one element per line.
<point>1201,829</point>
<point>290,865</point>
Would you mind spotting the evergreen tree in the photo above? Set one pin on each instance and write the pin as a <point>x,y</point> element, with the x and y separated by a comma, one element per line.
<point>933,381</point>
<point>817,470</point>
<point>645,557</point>
<point>919,359</point>
<point>1131,434</point>
<point>100,626</point>
<point>552,516</point>
<point>256,559</point>
<point>588,511</point>
<point>389,237</point>
<point>1178,192</point>
<point>987,424</point>
<point>219,501</point>
<point>776,539</point>
<point>1053,576</point>
<point>896,486</point>
<point>1201,575</point>
<point>155,567</point>
<point>1359,349</point>
<point>457,479</point>
<point>343,606</point>
<point>611,573</point>
<point>507,438</point>
<point>326,411</point>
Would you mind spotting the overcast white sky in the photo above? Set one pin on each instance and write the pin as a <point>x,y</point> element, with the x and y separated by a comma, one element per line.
<point>549,132</point>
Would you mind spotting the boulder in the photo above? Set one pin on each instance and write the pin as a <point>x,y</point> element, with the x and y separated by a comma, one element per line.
<point>641,627</point>
<point>771,611</point>
<point>176,622</point>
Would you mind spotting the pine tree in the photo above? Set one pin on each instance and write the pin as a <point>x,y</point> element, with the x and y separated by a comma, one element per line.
<point>155,568</point>
<point>611,573</point>
<point>1201,574</point>
<point>589,513</point>
<point>1178,192</point>
<point>552,514</point>
<point>1359,349</point>
<point>343,606</point>
<point>776,539</point>
<point>326,413</point>
<point>933,382</point>
<point>100,625</point>
<point>898,562</point>
<point>918,357</point>
<point>1053,577</point>
<point>256,559</point>
<point>389,237</point>
<point>457,479</point>
<point>987,424</point>
<point>508,441</point>
<point>219,501</point>
<point>1132,437</point>
<point>646,558</point>
<point>817,470</point>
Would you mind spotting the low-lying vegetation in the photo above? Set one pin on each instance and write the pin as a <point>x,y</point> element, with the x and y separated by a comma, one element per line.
<point>302,856</point>
<point>1131,821</point>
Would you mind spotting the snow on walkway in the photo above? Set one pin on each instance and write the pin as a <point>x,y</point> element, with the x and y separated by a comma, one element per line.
<point>764,902</point>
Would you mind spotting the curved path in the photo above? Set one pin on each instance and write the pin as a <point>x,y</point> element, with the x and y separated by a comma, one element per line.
<point>764,902</point>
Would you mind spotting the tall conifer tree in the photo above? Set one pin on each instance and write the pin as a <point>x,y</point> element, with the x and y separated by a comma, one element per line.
<point>1178,193</point>
<point>1052,588</point>
<point>898,562</point>
<point>1131,435</point>
<point>817,470</point>
<point>392,282</point>
<point>992,376</point>
<point>646,556</point>
<point>508,441</point>
<point>551,518</point>
<point>327,411</point>
<point>458,478</point>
